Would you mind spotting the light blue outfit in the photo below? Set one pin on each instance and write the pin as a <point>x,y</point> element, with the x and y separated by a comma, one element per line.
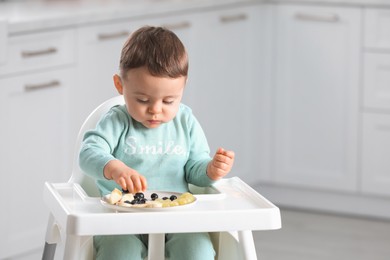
<point>170,156</point>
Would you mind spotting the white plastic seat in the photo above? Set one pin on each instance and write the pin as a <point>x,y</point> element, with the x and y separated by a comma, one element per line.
<point>76,214</point>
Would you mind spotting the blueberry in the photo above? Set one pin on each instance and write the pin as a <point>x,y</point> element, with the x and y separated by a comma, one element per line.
<point>142,201</point>
<point>125,191</point>
<point>165,198</point>
<point>154,196</point>
<point>173,197</point>
<point>139,195</point>
<point>133,202</point>
<point>128,201</point>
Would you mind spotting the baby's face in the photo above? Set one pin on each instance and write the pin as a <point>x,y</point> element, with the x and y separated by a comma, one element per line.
<point>151,100</point>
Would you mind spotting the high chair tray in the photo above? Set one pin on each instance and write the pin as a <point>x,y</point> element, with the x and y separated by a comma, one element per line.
<point>232,205</point>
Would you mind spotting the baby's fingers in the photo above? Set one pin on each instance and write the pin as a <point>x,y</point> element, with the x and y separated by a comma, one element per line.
<point>230,154</point>
<point>139,183</point>
<point>125,183</point>
<point>221,166</point>
<point>224,152</point>
<point>224,159</point>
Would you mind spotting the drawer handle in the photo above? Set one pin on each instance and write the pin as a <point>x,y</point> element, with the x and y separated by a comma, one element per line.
<point>233,18</point>
<point>29,54</point>
<point>331,18</point>
<point>33,87</point>
<point>110,36</point>
<point>177,26</point>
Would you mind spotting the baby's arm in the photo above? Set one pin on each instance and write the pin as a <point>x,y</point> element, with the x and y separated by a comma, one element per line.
<point>128,178</point>
<point>221,164</point>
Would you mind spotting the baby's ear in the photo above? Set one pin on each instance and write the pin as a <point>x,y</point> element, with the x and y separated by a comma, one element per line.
<point>118,83</point>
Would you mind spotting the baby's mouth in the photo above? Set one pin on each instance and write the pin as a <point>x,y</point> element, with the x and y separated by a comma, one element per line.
<point>153,122</point>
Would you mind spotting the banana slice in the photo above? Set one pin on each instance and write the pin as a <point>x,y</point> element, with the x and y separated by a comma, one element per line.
<point>127,196</point>
<point>115,196</point>
<point>139,205</point>
<point>153,204</point>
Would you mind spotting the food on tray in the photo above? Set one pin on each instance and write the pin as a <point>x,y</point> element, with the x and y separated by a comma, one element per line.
<point>138,200</point>
<point>115,196</point>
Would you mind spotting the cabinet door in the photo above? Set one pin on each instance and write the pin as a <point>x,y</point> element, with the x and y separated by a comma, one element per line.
<point>376,80</point>
<point>316,96</point>
<point>33,150</point>
<point>375,154</point>
<point>228,88</point>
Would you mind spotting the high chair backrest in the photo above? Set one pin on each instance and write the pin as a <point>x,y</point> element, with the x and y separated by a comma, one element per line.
<point>78,176</point>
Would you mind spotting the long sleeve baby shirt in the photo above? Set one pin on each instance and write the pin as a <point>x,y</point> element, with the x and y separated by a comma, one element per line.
<point>170,156</point>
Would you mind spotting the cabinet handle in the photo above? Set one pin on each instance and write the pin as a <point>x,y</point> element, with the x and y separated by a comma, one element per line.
<point>331,18</point>
<point>29,54</point>
<point>109,36</point>
<point>177,26</point>
<point>233,18</point>
<point>32,87</point>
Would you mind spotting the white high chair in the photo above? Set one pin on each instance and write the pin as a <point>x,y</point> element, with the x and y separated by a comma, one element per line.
<point>229,210</point>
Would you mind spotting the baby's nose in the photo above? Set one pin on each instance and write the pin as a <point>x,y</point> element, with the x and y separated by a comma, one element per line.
<point>155,108</point>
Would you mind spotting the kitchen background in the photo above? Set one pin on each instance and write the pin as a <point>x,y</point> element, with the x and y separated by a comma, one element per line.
<point>300,90</point>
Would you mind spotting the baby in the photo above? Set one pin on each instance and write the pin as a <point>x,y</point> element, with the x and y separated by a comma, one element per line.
<point>153,142</point>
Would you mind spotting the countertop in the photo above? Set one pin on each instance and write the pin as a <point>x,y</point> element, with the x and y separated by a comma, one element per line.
<point>32,15</point>
<point>29,15</point>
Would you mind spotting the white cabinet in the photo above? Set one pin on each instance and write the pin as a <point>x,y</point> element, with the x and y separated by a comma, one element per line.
<point>34,149</point>
<point>375,165</point>
<point>317,96</point>
<point>376,59</point>
<point>375,154</point>
<point>228,88</point>
<point>34,85</point>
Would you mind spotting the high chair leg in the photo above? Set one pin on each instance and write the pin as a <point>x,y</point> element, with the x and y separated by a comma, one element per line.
<point>156,247</point>
<point>49,251</point>
<point>72,248</point>
<point>52,237</point>
<point>247,244</point>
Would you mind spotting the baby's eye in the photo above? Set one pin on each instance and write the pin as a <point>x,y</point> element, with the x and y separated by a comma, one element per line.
<point>142,101</point>
<point>168,102</point>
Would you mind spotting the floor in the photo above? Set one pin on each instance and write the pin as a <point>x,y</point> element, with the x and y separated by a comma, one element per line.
<point>315,236</point>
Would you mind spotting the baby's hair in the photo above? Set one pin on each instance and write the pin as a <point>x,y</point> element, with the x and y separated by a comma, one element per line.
<point>156,48</point>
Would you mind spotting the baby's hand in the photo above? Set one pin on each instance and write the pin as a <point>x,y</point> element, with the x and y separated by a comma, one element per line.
<point>128,178</point>
<point>221,164</point>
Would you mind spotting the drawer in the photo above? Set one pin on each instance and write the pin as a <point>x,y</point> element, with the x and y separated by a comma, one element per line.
<point>39,51</point>
<point>377,28</point>
<point>376,82</point>
<point>105,34</point>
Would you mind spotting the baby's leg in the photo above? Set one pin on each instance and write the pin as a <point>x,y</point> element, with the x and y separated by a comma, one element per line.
<point>119,247</point>
<point>189,246</point>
